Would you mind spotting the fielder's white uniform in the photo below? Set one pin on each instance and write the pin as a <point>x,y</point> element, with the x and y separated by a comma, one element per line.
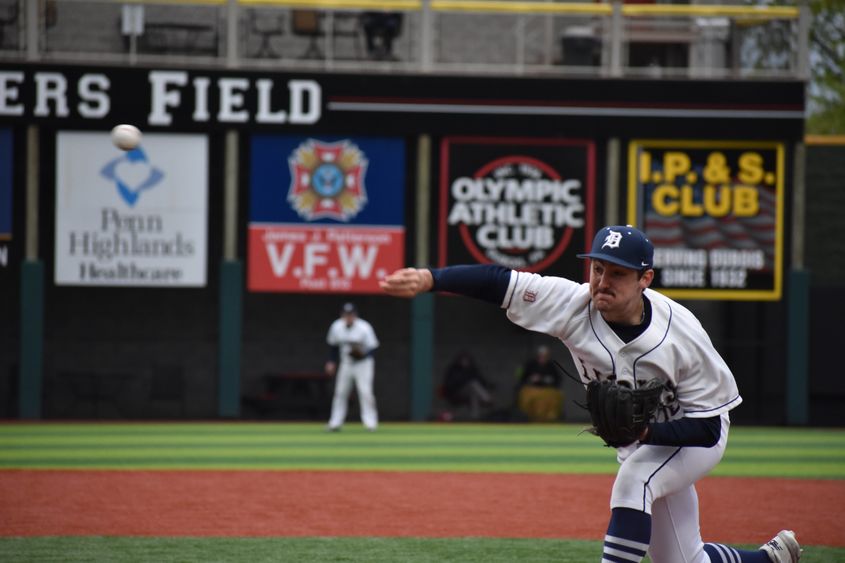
<point>658,480</point>
<point>360,333</point>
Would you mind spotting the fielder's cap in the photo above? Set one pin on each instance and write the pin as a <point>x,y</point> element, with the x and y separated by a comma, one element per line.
<point>348,308</point>
<point>623,245</point>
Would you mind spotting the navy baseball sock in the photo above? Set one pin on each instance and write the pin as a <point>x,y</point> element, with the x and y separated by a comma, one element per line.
<point>726,554</point>
<point>628,536</point>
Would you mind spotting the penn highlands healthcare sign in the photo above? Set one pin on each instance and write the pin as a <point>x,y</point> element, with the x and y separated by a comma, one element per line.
<point>136,218</point>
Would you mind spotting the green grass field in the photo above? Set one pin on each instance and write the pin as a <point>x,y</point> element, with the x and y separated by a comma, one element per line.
<point>765,452</point>
<point>369,550</point>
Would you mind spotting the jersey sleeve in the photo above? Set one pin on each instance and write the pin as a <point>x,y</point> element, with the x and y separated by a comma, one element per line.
<point>370,339</point>
<point>544,304</point>
<point>706,387</point>
<point>686,432</point>
<point>487,282</point>
<point>332,336</point>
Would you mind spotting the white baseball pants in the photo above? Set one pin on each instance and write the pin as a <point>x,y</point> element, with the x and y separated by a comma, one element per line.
<point>660,480</point>
<point>361,374</point>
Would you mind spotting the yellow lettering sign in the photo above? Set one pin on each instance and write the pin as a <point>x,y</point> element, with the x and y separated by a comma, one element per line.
<point>675,164</point>
<point>664,199</point>
<point>746,201</point>
<point>717,201</point>
<point>750,168</point>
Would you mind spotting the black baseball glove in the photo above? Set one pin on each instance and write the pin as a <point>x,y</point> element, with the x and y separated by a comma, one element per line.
<point>620,414</point>
<point>356,352</point>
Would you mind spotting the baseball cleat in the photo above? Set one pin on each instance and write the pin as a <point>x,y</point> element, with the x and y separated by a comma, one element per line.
<point>783,548</point>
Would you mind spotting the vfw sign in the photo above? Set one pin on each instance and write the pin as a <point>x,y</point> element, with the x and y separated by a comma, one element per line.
<point>326,214</point>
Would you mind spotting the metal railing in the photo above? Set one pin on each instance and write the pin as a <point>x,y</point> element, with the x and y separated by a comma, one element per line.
<point>532,36</point>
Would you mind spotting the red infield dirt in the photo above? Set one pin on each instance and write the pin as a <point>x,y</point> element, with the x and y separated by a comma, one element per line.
<point>324,503</point>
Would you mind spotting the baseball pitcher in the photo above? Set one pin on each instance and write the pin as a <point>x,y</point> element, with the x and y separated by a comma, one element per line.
<point>657,390</point>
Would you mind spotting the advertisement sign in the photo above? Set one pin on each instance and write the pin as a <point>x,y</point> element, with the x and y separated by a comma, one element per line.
<point>5,196</point>
<point>136,218</point>
<point>202,99</point>
<point>526,204</point>
<point>326,214</point>
<point>714,211</point>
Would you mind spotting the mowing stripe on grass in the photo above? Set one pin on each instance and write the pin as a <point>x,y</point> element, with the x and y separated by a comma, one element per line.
<point>788,452</point>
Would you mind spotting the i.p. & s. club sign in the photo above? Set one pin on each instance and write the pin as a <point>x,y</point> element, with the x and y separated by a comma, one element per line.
<point>714,211</point>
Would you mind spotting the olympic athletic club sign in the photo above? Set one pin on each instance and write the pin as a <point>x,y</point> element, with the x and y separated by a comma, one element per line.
<point>326,214</point>
<point>522,203</point>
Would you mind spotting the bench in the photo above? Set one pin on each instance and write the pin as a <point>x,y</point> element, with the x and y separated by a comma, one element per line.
<point>313,24</point>
<point>91,393</point>
<point>293,395</point>
<point>178,37</point>
<point>266,25</point>
<point>8,19</point>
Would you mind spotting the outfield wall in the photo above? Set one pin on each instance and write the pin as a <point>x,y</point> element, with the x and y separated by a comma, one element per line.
<point>105,343</point>
<point>826,262</point>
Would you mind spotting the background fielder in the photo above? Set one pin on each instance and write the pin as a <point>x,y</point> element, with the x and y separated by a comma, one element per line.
<point>352,341</point>
<point>618,329</point>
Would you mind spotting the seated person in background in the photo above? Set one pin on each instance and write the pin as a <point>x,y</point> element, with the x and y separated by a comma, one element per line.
<point>464,384</point>
<point>539,395</point>
<point>380,29</point>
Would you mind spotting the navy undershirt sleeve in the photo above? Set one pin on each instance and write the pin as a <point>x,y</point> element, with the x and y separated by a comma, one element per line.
<point>334,353</point>
<point>488,282</point>
<point>701,432</point>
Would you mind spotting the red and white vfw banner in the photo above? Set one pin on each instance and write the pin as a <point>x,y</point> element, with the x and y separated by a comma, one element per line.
<point>316,258</point>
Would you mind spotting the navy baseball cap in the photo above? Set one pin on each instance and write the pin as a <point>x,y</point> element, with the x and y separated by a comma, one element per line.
<point>623,245</point>
<point>349,308</point>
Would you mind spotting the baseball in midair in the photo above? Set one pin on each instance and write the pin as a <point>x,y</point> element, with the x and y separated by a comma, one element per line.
<point>126,137</point>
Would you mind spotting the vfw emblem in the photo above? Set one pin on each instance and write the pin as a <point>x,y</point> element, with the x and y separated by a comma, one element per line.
<point>327,180</point>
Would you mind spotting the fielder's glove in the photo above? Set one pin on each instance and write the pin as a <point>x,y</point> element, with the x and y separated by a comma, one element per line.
<point>357,353</point>
<point>620,414</point>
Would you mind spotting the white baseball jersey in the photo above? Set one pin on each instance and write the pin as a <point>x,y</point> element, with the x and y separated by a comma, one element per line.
<point>359,333</point>
<point>674,347</point>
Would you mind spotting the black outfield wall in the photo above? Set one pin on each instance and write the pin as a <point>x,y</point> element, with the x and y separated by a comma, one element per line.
<point>139,338</point>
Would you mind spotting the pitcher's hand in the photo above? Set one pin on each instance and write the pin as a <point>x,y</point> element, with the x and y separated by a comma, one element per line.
<point>407,282</point>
